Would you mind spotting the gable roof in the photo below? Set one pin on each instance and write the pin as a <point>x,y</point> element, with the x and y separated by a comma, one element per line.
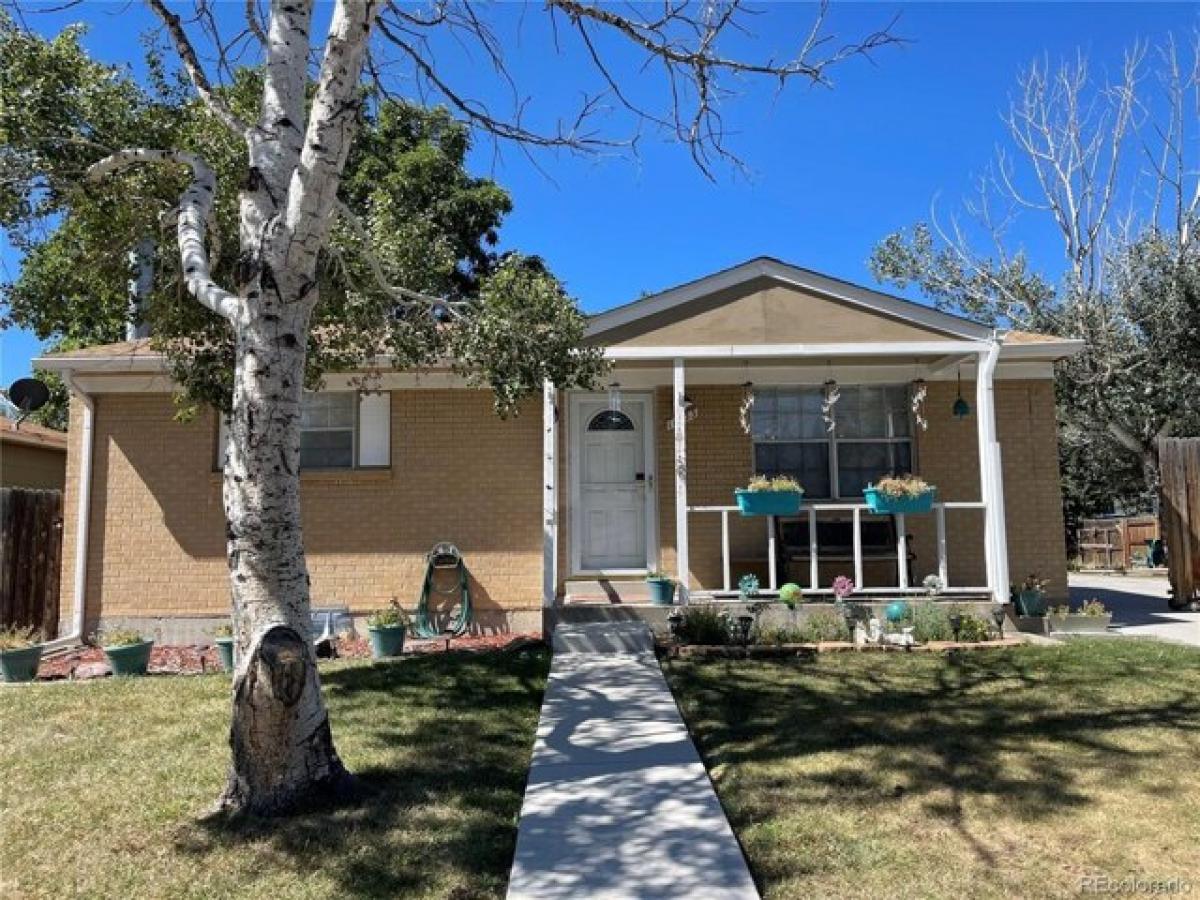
<point>766,267</point>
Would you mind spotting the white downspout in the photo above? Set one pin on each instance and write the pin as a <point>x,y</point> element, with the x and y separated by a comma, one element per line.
<point>83,511</point>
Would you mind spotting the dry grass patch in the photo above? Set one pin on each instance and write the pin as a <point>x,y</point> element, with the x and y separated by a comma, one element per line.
<point>104,783</point>
<point>1012,773</point>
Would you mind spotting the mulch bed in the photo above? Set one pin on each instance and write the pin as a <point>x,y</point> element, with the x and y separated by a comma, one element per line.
<point>196,659</point>
<point>775,651</point>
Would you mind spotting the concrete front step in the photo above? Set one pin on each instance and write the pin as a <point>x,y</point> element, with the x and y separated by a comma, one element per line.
<point>605,590</point>
<point>603,637</point>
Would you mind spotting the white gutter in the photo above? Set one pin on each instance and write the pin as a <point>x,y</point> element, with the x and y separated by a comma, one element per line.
<point>82,517</point>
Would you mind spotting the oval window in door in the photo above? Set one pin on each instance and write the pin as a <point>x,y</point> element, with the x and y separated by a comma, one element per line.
<point>610,420</point>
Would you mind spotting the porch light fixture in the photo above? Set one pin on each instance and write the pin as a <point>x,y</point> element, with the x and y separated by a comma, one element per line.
<point>745,623</point>
<point>614,396</point>
<point>998,616</point>
<point>961,408</point>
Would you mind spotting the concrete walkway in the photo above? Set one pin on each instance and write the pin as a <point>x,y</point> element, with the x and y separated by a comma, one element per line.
<point>618,804</point>
<point>1139,606</point>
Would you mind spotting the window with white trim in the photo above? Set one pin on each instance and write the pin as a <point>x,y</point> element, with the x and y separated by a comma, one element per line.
<point>872,437</point>
<point>339,430</point>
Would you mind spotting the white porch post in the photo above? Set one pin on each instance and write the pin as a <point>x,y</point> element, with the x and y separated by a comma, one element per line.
<point>991,483</point>
<point>549,495</point>
<point>681,502</point>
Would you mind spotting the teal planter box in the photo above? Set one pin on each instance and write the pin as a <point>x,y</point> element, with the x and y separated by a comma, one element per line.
<point>225,652</point>
<point>883,505</point>
<point>768,503</point>
<point>20,664</point>
<point>1031,603</point>
<point>129,660</point>
<point>387,640</point>
<point>662,591</point>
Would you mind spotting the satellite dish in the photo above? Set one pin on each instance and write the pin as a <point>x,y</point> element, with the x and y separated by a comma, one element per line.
<point>28,395</point>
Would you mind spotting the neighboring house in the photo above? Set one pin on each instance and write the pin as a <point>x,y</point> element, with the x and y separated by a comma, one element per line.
<point>32,456</point>
<point>582,493</point>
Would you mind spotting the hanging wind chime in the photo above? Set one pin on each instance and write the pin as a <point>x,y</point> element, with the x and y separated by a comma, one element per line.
<point>920,390</point>
<point>961,408</point>
<point>746,410</point>
<point>830,395</point>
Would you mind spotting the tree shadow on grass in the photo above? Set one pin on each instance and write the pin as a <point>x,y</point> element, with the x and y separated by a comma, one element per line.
<point>446,740</point>
<point>1016,727</point>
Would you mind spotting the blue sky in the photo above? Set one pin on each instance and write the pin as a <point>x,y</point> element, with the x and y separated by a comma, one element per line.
<point>830,171</point>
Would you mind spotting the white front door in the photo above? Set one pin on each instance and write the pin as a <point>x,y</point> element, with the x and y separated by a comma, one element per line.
<point>611,483</point>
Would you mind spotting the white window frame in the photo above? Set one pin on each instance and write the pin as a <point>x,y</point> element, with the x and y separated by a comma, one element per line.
<point>353,427</point>
<point>831,439</point>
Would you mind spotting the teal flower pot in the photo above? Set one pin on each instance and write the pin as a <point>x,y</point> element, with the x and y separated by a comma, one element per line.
<point>882,504</point>
<point>662,591</point>
<point>387,640</point>
<point>20,664</point>
<point>130,659</point>
<point>768,503</point>
<point>225,651</point>
<point>1031,603</point>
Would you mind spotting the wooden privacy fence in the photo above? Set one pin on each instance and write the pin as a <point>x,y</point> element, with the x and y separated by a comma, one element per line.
<point>1179,464</point>
<point>1118,542</point>
<point>30,551</point>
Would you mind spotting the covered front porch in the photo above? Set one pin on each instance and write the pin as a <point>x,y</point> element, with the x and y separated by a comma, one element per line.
<point>714,415</point>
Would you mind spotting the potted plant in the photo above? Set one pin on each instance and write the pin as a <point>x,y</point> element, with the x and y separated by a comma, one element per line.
<point>662,588</point>
<point>1030,597</point>
<point>20,654</point>
<point>223,638</point>
<point>1091,618</point>
<point>128,653</point>
<point>386,629</point>
<point>894,494</point>
<point>763,496</point>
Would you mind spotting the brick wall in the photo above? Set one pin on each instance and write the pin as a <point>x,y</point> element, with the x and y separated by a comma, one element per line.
<point>720,459</point>
<point>458,474</point>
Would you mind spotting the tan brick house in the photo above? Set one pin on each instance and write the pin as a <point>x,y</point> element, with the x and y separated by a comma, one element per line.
<point>576,498</point>
<point>32,456</point>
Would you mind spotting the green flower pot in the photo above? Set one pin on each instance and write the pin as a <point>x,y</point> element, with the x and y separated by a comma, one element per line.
<point>1031,603</point>
<point>20,664</point>
<point>225,651</point>
<point>386,640</point>
<point>662,591</point>
<point>130,659</point>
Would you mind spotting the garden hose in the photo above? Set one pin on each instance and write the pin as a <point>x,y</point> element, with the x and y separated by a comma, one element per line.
<point>443,556</point>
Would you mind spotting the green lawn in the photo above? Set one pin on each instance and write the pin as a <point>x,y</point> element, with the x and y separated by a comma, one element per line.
<point>103,784</point>
<point>985,774</point>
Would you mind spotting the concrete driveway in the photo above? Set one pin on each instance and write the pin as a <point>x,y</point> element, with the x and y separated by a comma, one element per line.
<point>1139,606</point>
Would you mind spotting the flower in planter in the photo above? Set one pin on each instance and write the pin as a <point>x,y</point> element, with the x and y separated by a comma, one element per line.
<point>843,587</point>
<point>778,483</point>
<point>902,487</point>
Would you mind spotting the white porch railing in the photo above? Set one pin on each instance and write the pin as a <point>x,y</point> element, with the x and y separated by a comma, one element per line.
<point>856,510</point>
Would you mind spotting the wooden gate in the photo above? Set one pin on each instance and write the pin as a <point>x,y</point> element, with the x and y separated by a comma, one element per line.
<point>30,551</point>
<point>1179,463</point>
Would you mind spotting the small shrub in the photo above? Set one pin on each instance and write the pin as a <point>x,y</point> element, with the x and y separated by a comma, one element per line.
<point>823,625</point>
<point>14,638</point>
<point>972,629</point>
<point>704,625</point>
<point>118,637</point>
<point>930,623</point>
<point>782,634</point>
<point>388,617</point>
<point>902,487</point>
<point>223,631</point>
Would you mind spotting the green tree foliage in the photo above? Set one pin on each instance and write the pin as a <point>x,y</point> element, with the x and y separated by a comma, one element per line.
<point>431,227</point>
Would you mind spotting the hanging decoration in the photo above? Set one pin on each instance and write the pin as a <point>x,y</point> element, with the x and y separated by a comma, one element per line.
<point>920,390</point>
<point>961,408</point>
<point>690,413</point>
<point>614,396</point>
<point>830,395</point>
<point>746,410</point>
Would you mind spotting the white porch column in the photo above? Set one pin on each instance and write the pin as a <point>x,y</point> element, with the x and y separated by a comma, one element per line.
<point>991,483</point>
<point>549,495</point>
<point>681,501</point>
